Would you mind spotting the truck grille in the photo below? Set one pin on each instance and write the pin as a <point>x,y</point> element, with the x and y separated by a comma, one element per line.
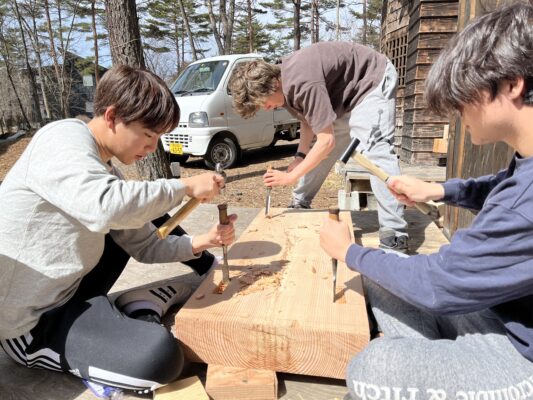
<point>174,137</point>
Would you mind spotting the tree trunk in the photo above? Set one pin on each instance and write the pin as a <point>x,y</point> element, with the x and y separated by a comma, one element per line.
<point>7,65</point>
<point>365,24</point>
<point>95,42</point>
<point>124,35</point>
<point>59,75</point>
<point>250,28</point>
<point>214,28</point>
<point>36,47</point>
<point>33,84</point>
<point>315,29</point>
<point>126,48</point>
<point>229,29</point>
<point>338,21</point>
<point>177,46</point>
<point>296,24</point>
<point>188,28</point>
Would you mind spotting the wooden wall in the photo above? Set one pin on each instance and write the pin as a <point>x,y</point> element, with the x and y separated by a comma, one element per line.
<point>431,24</point>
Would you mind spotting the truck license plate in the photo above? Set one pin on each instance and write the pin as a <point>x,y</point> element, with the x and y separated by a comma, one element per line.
<point>176,148</point>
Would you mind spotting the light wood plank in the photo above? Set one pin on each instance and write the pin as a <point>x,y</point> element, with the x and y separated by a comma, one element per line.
<point>233,383</point>
<point>293,327</point>
<point>188,388</point>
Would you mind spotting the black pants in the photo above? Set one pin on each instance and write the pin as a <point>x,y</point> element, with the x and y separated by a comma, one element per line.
<point>90,338</point>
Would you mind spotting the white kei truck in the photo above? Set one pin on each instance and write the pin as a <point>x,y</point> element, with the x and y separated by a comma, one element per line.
<point>209,127</point>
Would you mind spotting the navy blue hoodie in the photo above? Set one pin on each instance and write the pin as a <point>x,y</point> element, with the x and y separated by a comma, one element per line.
<point>486,266</point>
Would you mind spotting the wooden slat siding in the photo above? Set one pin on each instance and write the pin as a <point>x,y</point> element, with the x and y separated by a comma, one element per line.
<point>434,10</point>
<point>428,25</point>
<point>418,144</point>
<point>423,56</point>
<point>421,116</point>
<point>423,158</point>
<point>417,72</point>
<point>416,101</point>
<point>428,41</point>
<point>431,25</point>
<point>433,131</point>
<point>413,88</point>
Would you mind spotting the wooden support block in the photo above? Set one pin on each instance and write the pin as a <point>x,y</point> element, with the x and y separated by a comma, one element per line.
<point>188,388</point>
<point>441,145</point>
<point>231,383</point>
<point>278,313</point>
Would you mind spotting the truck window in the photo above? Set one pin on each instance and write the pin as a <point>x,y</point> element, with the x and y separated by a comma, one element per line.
<point>199,78</point>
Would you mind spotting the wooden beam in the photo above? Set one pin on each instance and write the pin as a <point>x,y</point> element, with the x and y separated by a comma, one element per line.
<point>278,313</point>
<point>232,383</point>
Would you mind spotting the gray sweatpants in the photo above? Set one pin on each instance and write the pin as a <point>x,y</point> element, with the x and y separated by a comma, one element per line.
<point>423,356</point>
<point>372,122</point>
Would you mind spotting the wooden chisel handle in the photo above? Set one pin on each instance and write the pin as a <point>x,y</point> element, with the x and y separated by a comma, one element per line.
<point>223,214</point>
<point>164,230</point>
<point>424,208</point>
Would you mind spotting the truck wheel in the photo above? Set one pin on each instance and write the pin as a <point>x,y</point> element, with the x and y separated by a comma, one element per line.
<point>182,159</point>
<point>224,151</point>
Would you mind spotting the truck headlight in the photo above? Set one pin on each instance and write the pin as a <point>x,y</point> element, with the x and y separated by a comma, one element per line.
<point>198,119</point>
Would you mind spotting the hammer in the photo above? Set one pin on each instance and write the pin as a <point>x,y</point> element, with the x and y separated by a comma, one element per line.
<point>351,151</point>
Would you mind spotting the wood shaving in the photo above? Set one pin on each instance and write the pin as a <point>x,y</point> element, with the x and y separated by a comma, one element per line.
<point>259,279</point>
<point>220,288</point>
<point>199,296</point>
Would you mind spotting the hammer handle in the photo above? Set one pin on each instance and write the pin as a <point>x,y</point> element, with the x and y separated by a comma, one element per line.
<point>164,230</point>
<point>370,166</point>
<point>424,208</point>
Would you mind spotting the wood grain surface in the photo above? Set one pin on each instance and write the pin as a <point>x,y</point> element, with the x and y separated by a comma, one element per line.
<point>289,325</point>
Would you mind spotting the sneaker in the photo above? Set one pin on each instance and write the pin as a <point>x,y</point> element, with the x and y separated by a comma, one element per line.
<point>163,296</point>
<point>293,204</point>
<point>396,243</point>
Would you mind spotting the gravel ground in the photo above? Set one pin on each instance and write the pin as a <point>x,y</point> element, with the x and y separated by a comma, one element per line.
<point>245,184</point>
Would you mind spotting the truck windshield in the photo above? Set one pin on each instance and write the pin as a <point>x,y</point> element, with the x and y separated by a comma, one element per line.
<point>199,78</point>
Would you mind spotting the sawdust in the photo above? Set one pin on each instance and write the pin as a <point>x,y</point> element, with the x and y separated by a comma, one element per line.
<point>259,279</point>
<point>220,288</point>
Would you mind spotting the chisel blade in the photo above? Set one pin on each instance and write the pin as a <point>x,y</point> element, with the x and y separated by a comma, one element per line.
<point>267,201</point>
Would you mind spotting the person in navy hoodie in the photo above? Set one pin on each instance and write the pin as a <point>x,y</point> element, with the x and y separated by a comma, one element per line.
<point>458,324</point>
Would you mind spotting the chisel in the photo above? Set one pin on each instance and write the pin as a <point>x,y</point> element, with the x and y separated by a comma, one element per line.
<point>267,196</point>
<point>224,220</point>
<point>334,215</point>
